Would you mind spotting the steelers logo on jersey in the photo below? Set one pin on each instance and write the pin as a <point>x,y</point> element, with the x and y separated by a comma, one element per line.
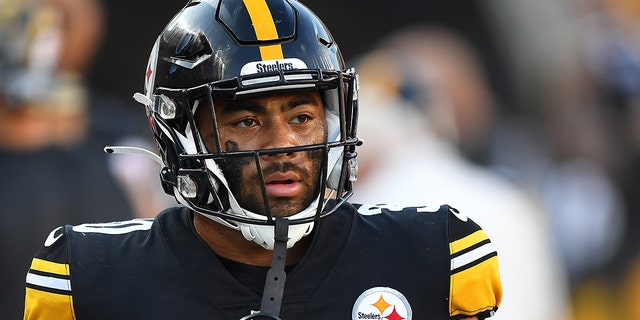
<point>381,303</point>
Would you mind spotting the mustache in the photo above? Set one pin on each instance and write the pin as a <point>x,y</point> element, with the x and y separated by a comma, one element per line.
<point>275,167</point>
<point>315,156</point>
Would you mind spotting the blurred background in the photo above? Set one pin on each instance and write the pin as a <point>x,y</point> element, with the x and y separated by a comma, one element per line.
<point>523,114</point>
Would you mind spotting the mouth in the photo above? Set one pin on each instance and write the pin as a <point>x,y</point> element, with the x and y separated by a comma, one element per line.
<point>283,184</point>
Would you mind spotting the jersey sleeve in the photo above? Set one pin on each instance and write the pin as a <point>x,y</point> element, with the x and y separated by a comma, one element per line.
<point>475,287</point>
<point>48,284</point>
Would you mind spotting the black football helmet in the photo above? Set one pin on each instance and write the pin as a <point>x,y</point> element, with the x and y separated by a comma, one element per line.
<point>230,49</point>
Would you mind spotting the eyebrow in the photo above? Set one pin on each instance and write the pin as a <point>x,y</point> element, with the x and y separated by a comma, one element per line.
<point>252,105</point>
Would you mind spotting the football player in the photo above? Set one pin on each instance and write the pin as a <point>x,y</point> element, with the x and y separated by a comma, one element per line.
<point>255,117</point>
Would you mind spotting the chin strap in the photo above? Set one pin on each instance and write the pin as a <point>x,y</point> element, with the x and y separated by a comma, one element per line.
<point>276,276</point>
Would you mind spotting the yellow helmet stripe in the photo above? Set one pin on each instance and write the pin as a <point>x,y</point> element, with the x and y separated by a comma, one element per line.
<point>264,27</point>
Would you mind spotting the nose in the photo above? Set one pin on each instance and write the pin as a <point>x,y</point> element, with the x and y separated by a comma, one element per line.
<point>278,136</point>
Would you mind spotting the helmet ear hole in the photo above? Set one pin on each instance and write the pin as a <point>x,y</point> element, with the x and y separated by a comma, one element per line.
<point>326,42</point>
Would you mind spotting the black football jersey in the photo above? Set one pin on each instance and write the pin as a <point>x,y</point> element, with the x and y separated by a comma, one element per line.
<point>364,262</point>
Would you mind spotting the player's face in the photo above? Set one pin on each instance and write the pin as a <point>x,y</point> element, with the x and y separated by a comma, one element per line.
<point>274,121</point>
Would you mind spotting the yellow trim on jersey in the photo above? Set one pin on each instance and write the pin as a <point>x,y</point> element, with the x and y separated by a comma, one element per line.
<point>475,286</point>
<point>468,241</point>
<point>50,267</point>
<point>476,289</point>
<point>41,305</point>
<point>264,27</point>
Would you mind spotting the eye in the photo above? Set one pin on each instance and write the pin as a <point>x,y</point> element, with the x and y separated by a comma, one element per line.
<point>245,123</point>
<point>302,118</point>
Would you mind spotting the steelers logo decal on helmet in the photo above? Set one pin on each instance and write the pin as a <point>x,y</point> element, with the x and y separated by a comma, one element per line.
<point>272,65</point>
<point>269,66</point>
<point>381,303</point>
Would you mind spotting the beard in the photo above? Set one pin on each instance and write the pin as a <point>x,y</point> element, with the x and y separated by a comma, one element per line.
<point>244,184</point>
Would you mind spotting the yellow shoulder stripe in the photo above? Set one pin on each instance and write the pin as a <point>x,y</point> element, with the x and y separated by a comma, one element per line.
<point>41,305</point>
<point>50,267</point>
<point>468,241</point>
<point>476,289</point>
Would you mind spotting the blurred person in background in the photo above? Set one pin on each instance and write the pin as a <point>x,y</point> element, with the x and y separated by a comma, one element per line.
<point>53,129</point>
<point>610,42</point>
<point>575,67</point>
<point>429,111</point>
